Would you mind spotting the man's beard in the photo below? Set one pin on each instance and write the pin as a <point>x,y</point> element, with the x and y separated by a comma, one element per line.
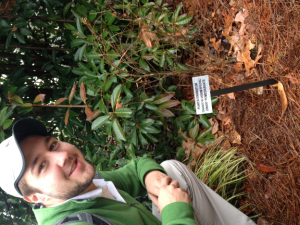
<point>64,193</point>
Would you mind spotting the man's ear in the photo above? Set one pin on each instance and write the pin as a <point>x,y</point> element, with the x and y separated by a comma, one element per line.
<point>36,198</point>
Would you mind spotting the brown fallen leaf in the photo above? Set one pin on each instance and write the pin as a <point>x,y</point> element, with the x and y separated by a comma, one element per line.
<point>147,36</point>
<point>235,137</point>
<point>215,127</point>
<point>198,151</point>
<point>259,55</point>
<point>226,145</point>
<point>246,59</point>
<point>283,98</point>
<point>6,5</point>
<point>182,32</point>
<point>240,17</point>
<point>231,95</point>
<point>265,168</point>
<point>216,44</point>
<point>262,221</point>
<point>188,146</point>
<point>14,29</point>
<point>268,192</point>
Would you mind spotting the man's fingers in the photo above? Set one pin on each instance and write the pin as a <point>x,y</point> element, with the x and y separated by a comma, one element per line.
<point>175,183</point>
<point>166,181</point>
<point>154,199</point>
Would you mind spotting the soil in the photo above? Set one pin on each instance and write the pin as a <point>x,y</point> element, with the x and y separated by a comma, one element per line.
<point>265,43</point>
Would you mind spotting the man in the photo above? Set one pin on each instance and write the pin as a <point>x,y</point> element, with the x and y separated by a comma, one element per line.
<point>56,177</point>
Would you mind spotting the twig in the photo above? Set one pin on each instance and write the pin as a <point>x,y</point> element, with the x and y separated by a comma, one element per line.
<point>58,106</point>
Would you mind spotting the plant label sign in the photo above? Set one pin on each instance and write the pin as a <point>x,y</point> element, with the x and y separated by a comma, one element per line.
<point>202,95</point>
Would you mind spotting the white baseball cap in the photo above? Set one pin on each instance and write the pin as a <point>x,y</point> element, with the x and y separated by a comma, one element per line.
<point>12,160</point>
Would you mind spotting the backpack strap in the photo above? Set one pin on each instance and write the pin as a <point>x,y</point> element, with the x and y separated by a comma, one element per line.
<point>84,217</point>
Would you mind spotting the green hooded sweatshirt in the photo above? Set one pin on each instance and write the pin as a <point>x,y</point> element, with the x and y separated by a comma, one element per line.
<point>129,181</point>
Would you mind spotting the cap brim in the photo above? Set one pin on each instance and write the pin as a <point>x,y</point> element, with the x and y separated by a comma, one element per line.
<point>22,129</point>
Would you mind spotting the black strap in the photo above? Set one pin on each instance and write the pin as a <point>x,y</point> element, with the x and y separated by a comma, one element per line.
<point>243,87</point>
<point>84,217</point>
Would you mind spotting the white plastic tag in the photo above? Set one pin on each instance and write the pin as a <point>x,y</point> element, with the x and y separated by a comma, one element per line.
<point>202,95</point>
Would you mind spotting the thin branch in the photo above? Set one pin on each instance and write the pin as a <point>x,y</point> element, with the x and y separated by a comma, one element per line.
<point>35,48</point>
<point>58,106</point>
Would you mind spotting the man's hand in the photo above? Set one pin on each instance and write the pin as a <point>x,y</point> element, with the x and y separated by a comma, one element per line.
<point>171,192</point>
<point>153,181</point>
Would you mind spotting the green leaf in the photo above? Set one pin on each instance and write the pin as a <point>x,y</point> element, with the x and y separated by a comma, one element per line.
<point>169,104</point>
<point>69,26</point>
<point>130,151</point>
<point>118,130</point>
<point>77,42</point>
<point>175,15</point>
<point>66,9</point>
<point>2,115</point>
<point>205,132</point>
<point>20,22</point>
<point>2,136</point>
<point>6,124</point>
<point>123,112</point>
<point>134,137</point>
<point>163,59</point>
<point>194,132</point>
<point>93,55</point>
<point>99,122</point>
<point>113,154</point>
<point>170,61</point>
<point>214,100</point>
<point>204,121</point>
<point>149,4</point>
<point>89,73</point>
<point>151,106</point>
<point>152,130</point>
<point>143,141</point>
<point>164,112</point>
<point>151,138</point>
<point>123,162</point>
<point>144,65</point>
<point>9,112</point>
<point>146,122</point>
<point>183,67</point>
<point>79,26</point>
<point>79,53</point>
<point>163,98</point>
<point>8,40</point>
<point>20,37</point>
<point>183,19</point>
<point>115,95</point>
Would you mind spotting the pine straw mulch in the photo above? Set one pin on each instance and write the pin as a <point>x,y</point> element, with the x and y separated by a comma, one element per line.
<point>268,138</point>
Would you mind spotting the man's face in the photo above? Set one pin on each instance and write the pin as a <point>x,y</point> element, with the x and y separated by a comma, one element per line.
<point>50,167</point>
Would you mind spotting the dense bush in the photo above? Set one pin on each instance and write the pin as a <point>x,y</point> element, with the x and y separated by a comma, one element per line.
<point>99,75</point>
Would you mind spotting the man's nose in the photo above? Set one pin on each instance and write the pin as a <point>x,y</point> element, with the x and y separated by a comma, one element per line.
<point>60,157</point>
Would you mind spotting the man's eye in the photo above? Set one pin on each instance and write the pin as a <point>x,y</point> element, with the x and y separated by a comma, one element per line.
<point>41,167</point>
<point>52,146</point>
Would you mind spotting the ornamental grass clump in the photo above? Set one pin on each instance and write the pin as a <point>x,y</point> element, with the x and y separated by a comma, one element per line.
<point>223,171</point>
